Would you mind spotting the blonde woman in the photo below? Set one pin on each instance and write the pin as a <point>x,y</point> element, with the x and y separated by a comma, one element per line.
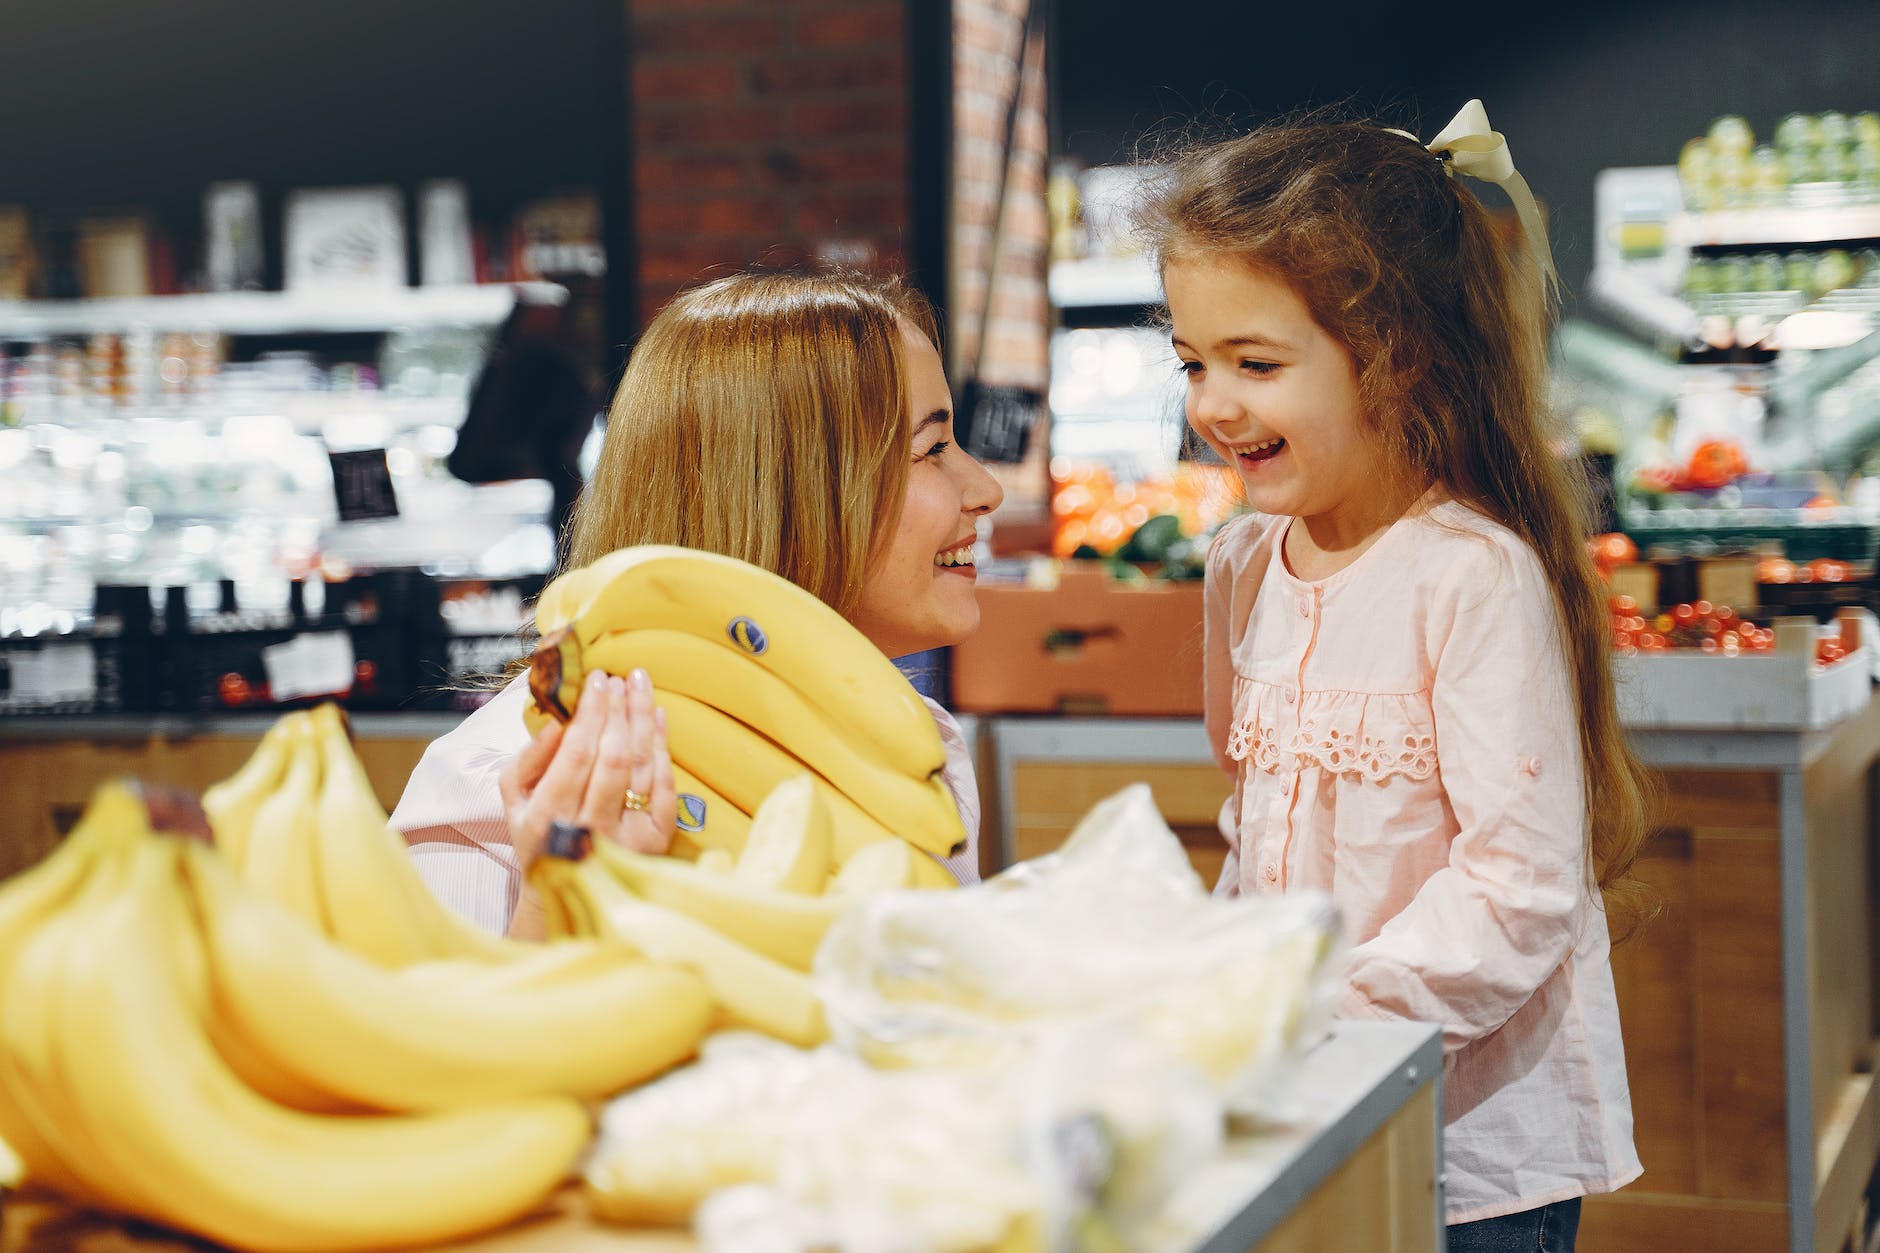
<point>801,423</point>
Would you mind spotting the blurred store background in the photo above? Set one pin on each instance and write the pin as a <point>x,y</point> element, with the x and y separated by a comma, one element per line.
<point>308,313</point>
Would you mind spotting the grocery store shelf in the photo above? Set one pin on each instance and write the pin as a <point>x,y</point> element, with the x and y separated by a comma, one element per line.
<point>308,411</point>
<point>1727,227</point>
<point>1101,281</point>
<point>278,313</point>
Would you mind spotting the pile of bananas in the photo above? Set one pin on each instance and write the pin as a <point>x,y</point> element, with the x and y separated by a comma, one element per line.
<point>760,681</point>
<point>749,924</point>
<point>180,1048</point>
<point>300,824</point>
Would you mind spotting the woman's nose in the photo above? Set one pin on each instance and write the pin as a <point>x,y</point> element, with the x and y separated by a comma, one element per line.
<point>980,493</point>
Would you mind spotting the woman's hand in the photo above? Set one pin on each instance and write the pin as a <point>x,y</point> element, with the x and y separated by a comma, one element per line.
<point>607,770</point>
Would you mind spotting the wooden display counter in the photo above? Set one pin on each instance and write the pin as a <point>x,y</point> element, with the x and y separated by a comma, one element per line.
<point>1357,1168</point>
<point>1748,1005</point>
<point>52,765</point>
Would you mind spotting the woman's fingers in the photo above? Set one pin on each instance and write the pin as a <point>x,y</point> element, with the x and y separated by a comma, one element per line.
<point>613,751</point>
<point>580,742</point>
<point>641,715</point>
<point>665,806</point>
<point>646,825</point>
<point>612,766</point>
<point>546,779</point>
<point>525,769</point>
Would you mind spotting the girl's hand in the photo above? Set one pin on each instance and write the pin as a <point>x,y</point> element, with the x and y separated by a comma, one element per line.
<point>607,770</point>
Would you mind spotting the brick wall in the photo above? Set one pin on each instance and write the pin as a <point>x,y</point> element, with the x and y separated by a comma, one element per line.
<point>767,132</point>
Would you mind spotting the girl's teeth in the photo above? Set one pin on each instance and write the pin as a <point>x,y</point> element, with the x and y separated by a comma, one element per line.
<point>957,557</point>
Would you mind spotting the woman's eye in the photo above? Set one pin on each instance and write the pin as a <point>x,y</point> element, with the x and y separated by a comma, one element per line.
<point>938,448</point>
<point>1188,367</point>
<point>1259,367</point>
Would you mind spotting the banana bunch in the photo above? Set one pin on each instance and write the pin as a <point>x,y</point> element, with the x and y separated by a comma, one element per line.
<point>300,823</point>
<point>760,680</point>
<point>749,925</point>
<point>129,961</point>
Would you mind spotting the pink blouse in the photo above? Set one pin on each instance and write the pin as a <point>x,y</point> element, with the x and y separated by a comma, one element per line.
<point>451,812</point>
<point>1404,737</point>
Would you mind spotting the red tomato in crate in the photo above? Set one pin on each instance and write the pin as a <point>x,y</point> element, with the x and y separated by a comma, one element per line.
<point>1612,550</point>
<point>1717,463</point>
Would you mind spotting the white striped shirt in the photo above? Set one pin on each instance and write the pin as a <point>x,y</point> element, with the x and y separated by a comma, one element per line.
<point>451,813</point>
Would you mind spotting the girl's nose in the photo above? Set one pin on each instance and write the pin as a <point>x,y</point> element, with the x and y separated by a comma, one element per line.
<point>1213,408</point>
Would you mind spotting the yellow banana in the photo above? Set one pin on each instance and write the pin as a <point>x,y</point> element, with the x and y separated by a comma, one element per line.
<point>197,1149</point>
<point>340,1024</point>
<point>37,911</point>
<point>753,613</point>
<point>279,861</point>
<point>752,990</point>
<point>448,934</point>
<point>878,868</point>
<point>358,857</point>
<point>791,840</point>
<point>745,767</point>
<point>759,697</point>
<point>922,811</point>
<point>557,963</point>
<point>785,926</point>
<point>231,803</point>
<point>919,809</point>
<point>706,818</point>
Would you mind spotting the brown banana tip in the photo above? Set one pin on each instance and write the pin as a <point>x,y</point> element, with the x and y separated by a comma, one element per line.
<point>547,668</point>
<point>173,811</point>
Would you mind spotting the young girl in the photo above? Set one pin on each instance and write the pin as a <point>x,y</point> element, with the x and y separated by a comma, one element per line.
<point>1406,651</point>
<point>800,423</point>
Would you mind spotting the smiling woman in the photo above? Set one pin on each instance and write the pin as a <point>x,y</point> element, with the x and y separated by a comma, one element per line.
<point>920,592</point>
<point>801,423</point>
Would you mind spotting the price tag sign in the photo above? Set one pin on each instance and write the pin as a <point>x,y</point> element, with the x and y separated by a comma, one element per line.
<point>362,485</point>
<point>53,673</point>
<point>319,663</point>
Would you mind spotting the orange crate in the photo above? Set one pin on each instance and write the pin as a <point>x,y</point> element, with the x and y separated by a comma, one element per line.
<point>1089,645</point>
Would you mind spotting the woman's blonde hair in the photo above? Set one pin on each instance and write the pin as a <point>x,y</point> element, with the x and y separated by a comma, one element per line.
<point>1446,321</point>
<point>763,416</point>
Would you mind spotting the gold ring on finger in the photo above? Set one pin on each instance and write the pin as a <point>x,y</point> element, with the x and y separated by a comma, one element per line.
<point>634,802</point>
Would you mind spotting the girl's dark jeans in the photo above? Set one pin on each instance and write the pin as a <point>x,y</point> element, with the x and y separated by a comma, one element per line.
<point>1549,1229</point>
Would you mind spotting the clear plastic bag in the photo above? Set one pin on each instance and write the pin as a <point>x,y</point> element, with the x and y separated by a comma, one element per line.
<point>775,1150</point>
<point>1114,930</point>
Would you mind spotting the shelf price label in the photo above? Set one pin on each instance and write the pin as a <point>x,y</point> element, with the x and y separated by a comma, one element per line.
<point>316,663</point>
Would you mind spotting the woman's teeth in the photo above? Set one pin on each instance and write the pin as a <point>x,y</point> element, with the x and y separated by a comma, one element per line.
<point>961,556</point>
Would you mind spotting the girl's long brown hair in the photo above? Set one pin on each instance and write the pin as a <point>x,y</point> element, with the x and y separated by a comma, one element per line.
<point>1447,322</point>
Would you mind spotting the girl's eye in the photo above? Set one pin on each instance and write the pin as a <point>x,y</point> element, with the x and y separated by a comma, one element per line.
<point>939,447</point>
<point>1188,367</point>
<point>1259,367</point>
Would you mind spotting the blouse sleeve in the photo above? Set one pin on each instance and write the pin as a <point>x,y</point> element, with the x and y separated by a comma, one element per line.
<point>1487,929</point>
<point>451,813</point>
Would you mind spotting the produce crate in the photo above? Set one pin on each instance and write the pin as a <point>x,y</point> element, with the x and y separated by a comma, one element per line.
<point>1769,691</point>
<point>1089,645</point>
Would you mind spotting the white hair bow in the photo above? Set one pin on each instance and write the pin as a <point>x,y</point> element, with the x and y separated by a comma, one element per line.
<point>1469,145</point>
